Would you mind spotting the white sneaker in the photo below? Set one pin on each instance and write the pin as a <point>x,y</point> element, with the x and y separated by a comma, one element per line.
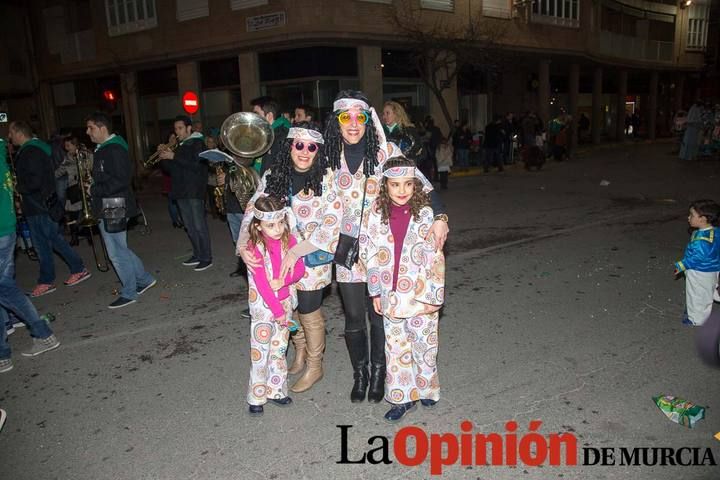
<point>42,345</point>
<point>6,365</point>
<point>3,417</point>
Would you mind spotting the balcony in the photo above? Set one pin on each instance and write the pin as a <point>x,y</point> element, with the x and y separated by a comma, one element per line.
<point>611,44</point>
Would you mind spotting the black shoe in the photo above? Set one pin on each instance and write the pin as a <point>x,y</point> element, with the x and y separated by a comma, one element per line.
<point>376,392</point>
<point>281,402</point>
<point>255,410</point>
<point>245,313</point>
<point>141,290</point>
<point>191,262</point>
<point>357,346</point>
<point>178,225</point>
<point>203,266</point>
<point>240,270</point>
<point>121,302</point>
<point>429,404</point>
<point>360,385</point>
<point>397,412</point>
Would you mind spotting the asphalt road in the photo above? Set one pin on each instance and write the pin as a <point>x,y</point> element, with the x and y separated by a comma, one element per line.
<point>561,307</point>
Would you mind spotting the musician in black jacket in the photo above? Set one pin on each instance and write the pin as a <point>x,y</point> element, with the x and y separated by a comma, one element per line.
<point>36,184</point>
<point>269,109</point>
<point>189,175</point>
<point>113,203</point>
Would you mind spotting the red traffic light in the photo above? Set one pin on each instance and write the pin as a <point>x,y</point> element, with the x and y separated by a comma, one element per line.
<point>109,95</point>
<point>190,102</point>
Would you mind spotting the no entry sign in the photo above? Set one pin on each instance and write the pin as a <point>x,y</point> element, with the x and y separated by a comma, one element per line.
<point>190,102</point>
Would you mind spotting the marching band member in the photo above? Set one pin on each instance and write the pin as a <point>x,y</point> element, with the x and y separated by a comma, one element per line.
<point>189,176</point>
<point>113,203</point>
<point>42,209</point>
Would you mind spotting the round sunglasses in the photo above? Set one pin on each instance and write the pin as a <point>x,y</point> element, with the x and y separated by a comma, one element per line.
<point>300,146</point>
<point>346,118</point>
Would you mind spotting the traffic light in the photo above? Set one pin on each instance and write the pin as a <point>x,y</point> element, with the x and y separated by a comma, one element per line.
<point>110,98</point>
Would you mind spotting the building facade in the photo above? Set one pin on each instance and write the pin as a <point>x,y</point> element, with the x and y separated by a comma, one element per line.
<point>135,58</point>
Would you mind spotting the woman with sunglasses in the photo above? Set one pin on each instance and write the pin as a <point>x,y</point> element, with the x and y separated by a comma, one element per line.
<point>356,150</point>
<point>300,174</point>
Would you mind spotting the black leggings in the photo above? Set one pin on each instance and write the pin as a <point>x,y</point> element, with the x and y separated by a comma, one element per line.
<point>356,304</point>
<point>309,301</point>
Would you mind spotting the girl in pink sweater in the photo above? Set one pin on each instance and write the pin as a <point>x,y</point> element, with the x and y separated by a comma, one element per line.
<point>272,301</point>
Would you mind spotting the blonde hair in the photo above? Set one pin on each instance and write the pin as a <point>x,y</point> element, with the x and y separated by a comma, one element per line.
<point>268,204</point>
<point>400,114</point>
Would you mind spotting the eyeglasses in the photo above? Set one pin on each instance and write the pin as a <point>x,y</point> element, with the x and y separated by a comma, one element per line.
<point>300,146</point>
<point>346,118</point>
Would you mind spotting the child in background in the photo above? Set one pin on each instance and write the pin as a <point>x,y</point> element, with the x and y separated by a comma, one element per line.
<point>701,262</point>
<point>444,155</point>
<point>272,301</point>
<point>406,281</point>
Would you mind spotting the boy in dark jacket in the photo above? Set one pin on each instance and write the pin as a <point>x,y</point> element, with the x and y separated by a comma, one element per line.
<point>112,175</point>
<point>189,175</point>
<point>36,184</point>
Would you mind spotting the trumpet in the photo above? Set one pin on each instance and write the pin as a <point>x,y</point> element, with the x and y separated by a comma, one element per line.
<point>88,220</point>
<point>154,159</point>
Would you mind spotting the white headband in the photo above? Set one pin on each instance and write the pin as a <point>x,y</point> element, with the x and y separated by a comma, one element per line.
<point>399,172</point>
<point>348,103</point>
<point>284,213</point>
<point>305,134</point>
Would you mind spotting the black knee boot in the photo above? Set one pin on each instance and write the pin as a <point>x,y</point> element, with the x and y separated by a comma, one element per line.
<point>356,341</point>
<point>376,392</point>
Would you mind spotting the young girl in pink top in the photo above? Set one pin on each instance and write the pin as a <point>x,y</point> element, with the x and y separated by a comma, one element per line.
<point>272,301</point>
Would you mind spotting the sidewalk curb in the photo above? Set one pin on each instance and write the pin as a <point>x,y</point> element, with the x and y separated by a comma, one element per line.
<point>579,152</point>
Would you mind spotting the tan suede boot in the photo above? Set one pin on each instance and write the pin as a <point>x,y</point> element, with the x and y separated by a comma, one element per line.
<point>314,326</point>
<point>298,340</point>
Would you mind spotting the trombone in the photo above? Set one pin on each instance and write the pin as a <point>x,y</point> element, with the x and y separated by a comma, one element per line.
<point>87,220</point>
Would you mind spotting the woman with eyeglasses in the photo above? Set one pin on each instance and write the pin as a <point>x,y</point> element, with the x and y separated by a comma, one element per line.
<point>356,150</point>
<point>301,176</point>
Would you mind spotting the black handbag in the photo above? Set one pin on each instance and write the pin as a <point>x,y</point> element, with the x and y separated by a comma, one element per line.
<point>73,193</point>
<point>114,213</point>
<point>347,252</point>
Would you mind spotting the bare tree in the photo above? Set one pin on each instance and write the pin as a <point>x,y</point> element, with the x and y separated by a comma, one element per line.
<point>440,48</point>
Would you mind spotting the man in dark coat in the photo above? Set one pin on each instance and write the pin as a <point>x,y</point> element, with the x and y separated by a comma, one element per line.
<point>36,184</point>
<point>269,109</point>
<point>189,175</point>
<point>113,203</point>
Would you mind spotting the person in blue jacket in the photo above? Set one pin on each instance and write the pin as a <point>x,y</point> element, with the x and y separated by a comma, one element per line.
<point>701,262</point>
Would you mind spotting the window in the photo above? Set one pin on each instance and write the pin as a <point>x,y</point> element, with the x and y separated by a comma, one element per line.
<point>444,5</point>
<point>496,8</point>
<point>127,16</point>
<point>240,4</point>
<point>557,12</point>
<point>697,26</point>
<point>191,9</point>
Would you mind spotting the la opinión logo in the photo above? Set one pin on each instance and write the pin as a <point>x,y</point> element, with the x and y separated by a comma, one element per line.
<point>531,449</point>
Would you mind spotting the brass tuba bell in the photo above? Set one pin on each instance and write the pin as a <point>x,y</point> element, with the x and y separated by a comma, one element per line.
<point>247,134</point>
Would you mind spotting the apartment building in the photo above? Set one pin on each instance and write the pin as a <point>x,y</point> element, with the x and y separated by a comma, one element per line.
<point>135,58</point>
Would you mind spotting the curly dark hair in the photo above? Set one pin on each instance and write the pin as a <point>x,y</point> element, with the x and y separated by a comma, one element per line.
<point>280,178</point>
<point>708,209</point>
<point>418,200</point>
<point>334,141</point>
